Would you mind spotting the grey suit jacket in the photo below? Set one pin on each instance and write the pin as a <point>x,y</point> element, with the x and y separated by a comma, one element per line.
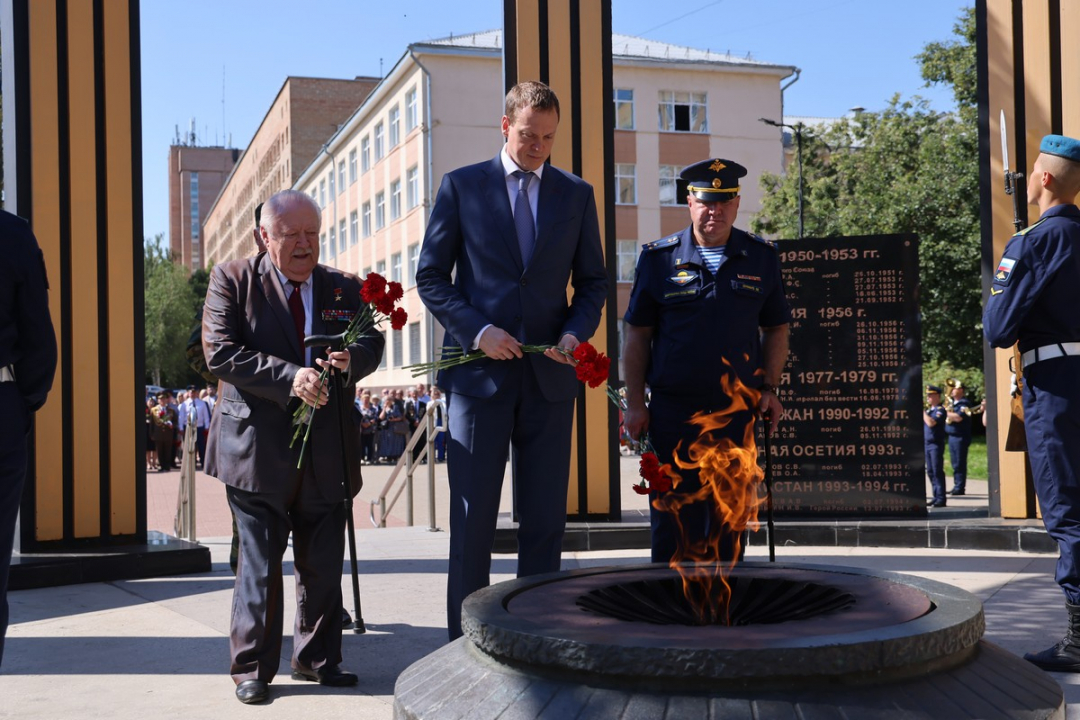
<point>250,343</point>
<point>471,231</point>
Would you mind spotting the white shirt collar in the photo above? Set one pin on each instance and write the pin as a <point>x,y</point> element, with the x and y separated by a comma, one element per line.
<point>510,167</point>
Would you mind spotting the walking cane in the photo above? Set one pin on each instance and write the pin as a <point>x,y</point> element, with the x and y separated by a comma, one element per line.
<point>333,341</point>
<point>768,490</point>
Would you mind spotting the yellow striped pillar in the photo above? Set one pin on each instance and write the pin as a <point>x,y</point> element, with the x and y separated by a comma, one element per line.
<point>1029,67</point>
<point>567,44</point>
<point>72,138</point>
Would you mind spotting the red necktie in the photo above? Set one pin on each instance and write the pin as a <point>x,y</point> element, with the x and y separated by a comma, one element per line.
<point>296,307</point>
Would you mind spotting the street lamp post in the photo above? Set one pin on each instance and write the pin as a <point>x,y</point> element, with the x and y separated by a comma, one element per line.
<point>797,129</point>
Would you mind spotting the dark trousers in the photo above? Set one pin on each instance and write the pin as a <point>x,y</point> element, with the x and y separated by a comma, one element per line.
<point>263,521</point>
<point>367,446</point>
<point>200,442</point>
<point>1052,426</point>
<point>695,524</point>
<point>440,446</point>
<point>14,425</point>
<point>935,468</point>
<point>958,453</point>
<point>481,432</point>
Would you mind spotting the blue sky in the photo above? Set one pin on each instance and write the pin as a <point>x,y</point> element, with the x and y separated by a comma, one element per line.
<point>197,52</point>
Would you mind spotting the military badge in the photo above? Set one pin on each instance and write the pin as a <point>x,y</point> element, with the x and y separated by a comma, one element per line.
<point>753,278</point>
<point>682,277</point>
<point>744,287</point>
<point>337,294</point>
<point>717,166</point>
<point>1004,269</point>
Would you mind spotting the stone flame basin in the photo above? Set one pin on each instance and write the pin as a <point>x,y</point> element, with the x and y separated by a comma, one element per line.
<point>856,644</point>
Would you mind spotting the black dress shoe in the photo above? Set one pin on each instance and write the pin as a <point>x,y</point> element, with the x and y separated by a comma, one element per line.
<point>346,620</point>
<point>329,675</point>
<point>956,491</point>
<point>940,503</point>
<point>250,692</point>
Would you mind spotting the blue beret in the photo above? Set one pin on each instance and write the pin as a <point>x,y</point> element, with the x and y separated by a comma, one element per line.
<point>1061,146</point>
<point>713,180</point>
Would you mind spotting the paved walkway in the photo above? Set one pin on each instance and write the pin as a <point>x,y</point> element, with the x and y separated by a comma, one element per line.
<point>159,647</point>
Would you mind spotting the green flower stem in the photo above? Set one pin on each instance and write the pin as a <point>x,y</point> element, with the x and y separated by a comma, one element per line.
<point>453,355</point>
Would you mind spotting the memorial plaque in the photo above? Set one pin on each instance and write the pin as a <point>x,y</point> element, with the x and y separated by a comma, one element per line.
<point>850,442</point>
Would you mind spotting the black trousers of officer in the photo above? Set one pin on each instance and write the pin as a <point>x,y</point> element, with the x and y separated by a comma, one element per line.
<point>958,455</point>
<point>14,425</point>
<point>935,468</point>
<point>669,427</point>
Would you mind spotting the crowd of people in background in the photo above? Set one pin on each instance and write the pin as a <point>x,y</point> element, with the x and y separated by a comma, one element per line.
<point>387,418</point>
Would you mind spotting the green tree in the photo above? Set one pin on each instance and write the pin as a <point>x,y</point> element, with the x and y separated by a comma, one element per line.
<point>169,308</point>
<point>905,169</point>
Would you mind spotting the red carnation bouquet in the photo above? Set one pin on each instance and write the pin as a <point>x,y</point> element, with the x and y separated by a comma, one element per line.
<point>592,369</point>
<point>379,300</point>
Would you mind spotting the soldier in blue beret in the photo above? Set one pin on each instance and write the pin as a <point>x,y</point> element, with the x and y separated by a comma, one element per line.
<point>934,419</point>
<point>1033,300</point>
<point>707,306</point>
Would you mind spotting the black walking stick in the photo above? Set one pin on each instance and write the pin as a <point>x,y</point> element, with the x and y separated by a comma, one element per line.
<point>337,341</point>
<point>768,490</point>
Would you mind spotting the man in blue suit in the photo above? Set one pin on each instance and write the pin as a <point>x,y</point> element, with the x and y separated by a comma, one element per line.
<point>514,233</point>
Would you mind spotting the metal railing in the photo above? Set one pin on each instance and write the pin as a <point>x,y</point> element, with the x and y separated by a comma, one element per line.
<point>424,435</point>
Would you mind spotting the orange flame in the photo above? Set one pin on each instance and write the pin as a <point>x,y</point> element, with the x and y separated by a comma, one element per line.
<point>729,479</point>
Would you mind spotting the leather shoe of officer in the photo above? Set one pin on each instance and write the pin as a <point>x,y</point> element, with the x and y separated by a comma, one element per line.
<point>250,692</point>
<point>329,675</point>
<point>956,491</point>
<point>931,503</point>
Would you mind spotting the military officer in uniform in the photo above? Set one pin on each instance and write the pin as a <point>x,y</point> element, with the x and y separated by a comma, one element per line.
<point>958,433</point>
<point>1033,300</point>
<point>707,305</point>
<point>934,419</point>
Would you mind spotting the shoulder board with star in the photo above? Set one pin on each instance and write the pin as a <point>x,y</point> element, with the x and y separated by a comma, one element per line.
<point>762,240</point>
<point>660,244</point>
<point>1031,227</point>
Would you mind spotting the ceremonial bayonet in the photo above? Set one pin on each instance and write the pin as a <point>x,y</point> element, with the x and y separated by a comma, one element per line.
<point>1010,177</point>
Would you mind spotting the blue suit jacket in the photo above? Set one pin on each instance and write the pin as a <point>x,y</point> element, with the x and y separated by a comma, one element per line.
<point>471,273</point>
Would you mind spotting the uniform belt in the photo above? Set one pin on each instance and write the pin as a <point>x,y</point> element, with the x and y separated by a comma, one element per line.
<point>7,374</point>
<point>1048,352</point>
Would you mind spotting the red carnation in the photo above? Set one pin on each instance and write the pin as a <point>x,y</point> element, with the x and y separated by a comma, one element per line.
<point>394,291</point>
<point>641,488</point>
<point>585,353</point>
<point>384,305</point>
<point>592,367</point>
<point>398,318</point>
<point>373,289</point>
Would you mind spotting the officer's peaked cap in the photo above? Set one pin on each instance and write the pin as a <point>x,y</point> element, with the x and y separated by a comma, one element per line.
<point>713,180</point>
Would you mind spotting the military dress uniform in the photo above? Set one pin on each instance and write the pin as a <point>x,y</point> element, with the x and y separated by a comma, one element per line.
<point>1033,300</point>
<point>958,435</point>
<point>27,365</point>
<point>934,445</point>
<point>706,326</point>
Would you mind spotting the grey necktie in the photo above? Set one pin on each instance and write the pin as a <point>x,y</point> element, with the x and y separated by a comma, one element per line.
<point>523,217</point>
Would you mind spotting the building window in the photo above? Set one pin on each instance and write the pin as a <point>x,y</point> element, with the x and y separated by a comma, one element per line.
<point>367,271</point>
<point>627,252</point>
<point>367,219</point>
<point>624,109</point>
<point>378,142</point>
<point>395,125</point>
<point>414,343</point>
<point>341,236</point>
<point>352,166</point>
<point>333,242</point>
<point>382,356</point>
<point>414,261</point>
<point>683,112</point>
<point>395,200</point>
<point>380,211</point>
<point>354,227</point>
<point>412,187</point>
<point>669,175</point>
<point>395,267</point>
<point>399,347</point>
<point>322,245</point>
<point>365,154</point>
<point>380,267</point>
<point>411,117</point>
<point>322,193</point>
<point>625,184</point>
<point>341,176</point>
<point>330,179</point>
